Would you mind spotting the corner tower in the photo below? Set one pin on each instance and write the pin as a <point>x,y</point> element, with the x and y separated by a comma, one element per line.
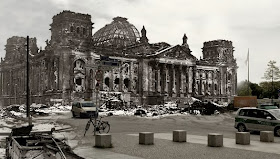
<point>219,54</point>
<point>16,48</point>
<point>218,51</point>
<point>70,28</point>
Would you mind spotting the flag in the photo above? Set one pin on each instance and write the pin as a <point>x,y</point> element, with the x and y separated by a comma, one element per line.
<point>247,59</point>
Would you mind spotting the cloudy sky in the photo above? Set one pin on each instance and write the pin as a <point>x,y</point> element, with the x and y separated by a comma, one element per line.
<point>253,24</point>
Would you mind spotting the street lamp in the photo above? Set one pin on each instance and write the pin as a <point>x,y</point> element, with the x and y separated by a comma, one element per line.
<point>15,93</point>
<point>27,82</point>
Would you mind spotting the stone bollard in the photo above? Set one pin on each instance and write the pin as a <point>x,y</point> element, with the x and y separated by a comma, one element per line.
<point>103,141</point>
<point>179,136</point>
<point>242,138</point>
<point>215,140</point>
<point>266,136</point>
<point>146,138</point>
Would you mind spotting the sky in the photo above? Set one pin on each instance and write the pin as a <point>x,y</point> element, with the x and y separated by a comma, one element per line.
<point>252,25</point>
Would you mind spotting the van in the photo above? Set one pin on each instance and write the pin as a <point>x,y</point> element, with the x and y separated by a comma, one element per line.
<point>84,109</point>
<point>255,119</point>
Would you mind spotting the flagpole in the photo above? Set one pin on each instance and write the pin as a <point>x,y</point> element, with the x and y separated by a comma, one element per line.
<point>248,74</point>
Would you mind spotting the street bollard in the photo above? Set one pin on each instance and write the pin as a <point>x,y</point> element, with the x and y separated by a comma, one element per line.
<point>103,141</point>
<point>266,136</point>
<point>215,140</point>
<point>242,138</point>
<point>146,138</point>
<point>179,136</point>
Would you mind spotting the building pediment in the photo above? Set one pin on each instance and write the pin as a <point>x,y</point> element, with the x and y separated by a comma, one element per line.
<point>176,52</point>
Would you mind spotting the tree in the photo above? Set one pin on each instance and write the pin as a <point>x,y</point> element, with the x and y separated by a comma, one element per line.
<point>272,73</point>
<point>267,92</point>
<point>242,89</point>
<point>256,90</point>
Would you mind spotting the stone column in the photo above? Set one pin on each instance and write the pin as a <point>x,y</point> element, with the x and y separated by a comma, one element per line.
<point>163,77</point>
<point>158,78</point>
<point>182,81</point>
<point>174,90</point>
<point>4,92</point>
<point>153,78</point>
<point>111,81</point>
<point>1,84</point>
<point>178,80</point>
<point>10,83</point>
<point>167,79</point>
<point>171,83</point>
<point>185,80</point>
<point>150,77</point>
<point>143,79</point>
<point>235,82</point>
<point>190,72</point>
<point>121,78</point>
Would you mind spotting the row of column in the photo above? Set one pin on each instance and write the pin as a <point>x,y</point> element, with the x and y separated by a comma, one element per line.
<point>170,79</point>
<point>13,80</point>
<point>207,83</point>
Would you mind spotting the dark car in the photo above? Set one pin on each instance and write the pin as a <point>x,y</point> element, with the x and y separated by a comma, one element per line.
<point>140,112</point>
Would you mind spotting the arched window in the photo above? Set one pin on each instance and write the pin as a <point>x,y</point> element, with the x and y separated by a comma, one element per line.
<point>107,81</point>
<point>117,81</point>
<point>84,31</point>
<point>229,76</point>
<point>78,30</point>
<point>79,75</point>
<point>79,81</point>
<point>79,65</point>
<point>71,29</point>
<point>126,82</point>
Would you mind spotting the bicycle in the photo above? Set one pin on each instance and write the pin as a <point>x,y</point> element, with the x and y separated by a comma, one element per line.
<point>101,126</point>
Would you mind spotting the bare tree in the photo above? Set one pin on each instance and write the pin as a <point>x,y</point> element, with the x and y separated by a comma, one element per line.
<point>272,73</point>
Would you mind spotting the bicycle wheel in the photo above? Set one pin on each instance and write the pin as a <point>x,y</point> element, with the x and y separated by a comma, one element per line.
<point>104,127</point>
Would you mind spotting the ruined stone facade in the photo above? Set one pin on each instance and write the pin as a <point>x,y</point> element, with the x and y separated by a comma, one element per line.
<point>70,67</point>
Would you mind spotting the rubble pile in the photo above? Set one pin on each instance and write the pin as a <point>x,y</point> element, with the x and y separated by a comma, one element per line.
<point>19,111</point>
<point>196,107</point>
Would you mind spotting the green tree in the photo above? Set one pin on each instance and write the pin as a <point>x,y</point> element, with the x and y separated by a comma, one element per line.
<point>256,90</point>
<point>267,92</point>
<point>272,73</point>
<point>242,89</point>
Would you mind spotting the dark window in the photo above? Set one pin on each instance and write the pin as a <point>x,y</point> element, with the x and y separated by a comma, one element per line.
<point>84,31</point>
<point>263,114</point>
<point>78,30</point>
<point>126,82</point>
<point>107,81</point>
<point>252,113</point>
<point>71,29</point>
<point>79,81</point>
<point>117,81</point>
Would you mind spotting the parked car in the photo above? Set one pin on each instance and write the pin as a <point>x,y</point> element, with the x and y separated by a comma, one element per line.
<point>83,109</point>
<point>268,106</point>
<point>140,112</point>
<point>255,119</point>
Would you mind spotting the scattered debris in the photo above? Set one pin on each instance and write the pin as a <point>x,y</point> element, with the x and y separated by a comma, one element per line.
<point>24,143</point>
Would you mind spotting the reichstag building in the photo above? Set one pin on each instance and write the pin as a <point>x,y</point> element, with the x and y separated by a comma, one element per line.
<point>117,61</point>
